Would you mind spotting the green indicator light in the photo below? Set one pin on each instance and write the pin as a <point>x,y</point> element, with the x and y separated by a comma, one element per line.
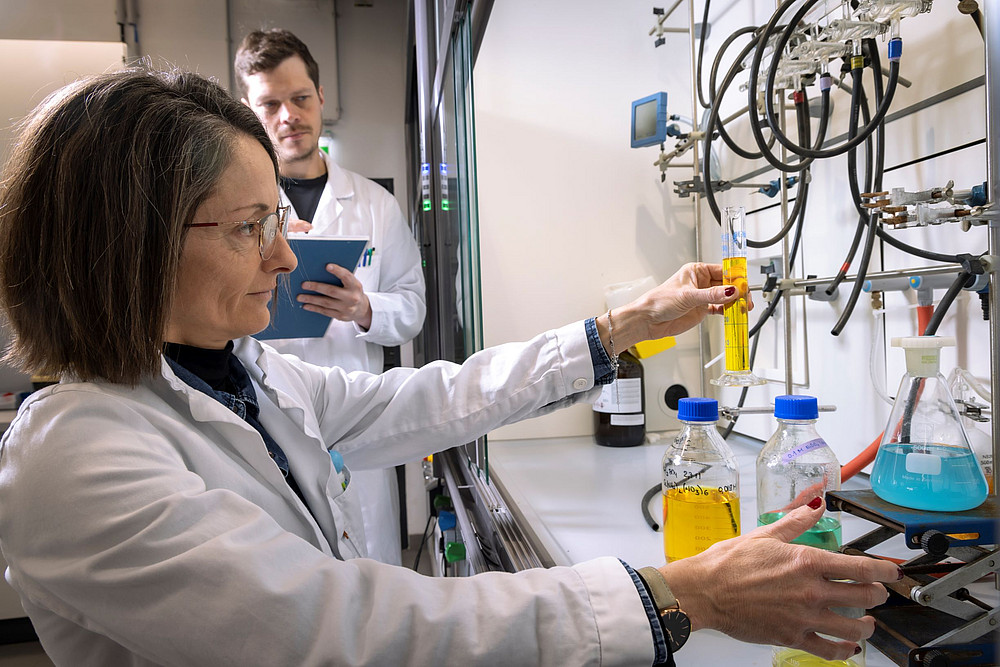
<point>427,204</point>
<point>445,205</point>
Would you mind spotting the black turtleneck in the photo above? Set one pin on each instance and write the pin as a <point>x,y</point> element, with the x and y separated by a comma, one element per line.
<point>212,366</point>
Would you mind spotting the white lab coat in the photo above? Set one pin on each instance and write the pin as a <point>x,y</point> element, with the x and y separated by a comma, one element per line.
<point>352,205</point>
<point>147,525</point>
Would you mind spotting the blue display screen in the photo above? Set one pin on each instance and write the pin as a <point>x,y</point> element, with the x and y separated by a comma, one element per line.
<point>649,120</point>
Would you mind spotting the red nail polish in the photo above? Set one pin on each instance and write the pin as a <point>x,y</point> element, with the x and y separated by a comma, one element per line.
<point>815,503</point>
<point>901,573</point>
<point>857,649</point>
<point>730,290</point>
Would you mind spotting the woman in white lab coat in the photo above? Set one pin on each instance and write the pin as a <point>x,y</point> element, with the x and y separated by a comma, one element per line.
<point>157,511</point>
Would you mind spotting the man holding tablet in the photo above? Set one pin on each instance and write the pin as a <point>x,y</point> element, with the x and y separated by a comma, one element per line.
<point>382,303</point>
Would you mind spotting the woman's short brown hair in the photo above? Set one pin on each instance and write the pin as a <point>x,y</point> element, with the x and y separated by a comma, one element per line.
<point>93,203</point>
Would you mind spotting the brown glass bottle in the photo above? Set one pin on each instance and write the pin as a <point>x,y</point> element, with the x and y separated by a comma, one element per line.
<point>620,412</point>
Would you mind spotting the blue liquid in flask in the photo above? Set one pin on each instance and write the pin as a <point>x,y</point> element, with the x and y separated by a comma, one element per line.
<point>935,477</point>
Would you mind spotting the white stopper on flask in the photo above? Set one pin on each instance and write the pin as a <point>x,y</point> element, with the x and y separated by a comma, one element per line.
<point>923,353</point>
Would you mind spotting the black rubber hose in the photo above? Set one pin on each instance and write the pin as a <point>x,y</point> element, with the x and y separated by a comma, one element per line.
<point>797,210</point>
<point>916,252</point>
<point>710,128</point>
<point>873,174</point>
<point>717,126</point>
<point>713,119</point>
<point>770,116</point>
<point>762,38</point>
<point>701,53</point>
<point>792,253</point>
<point>714,73</point>
<point>804,136</point>
<point>859,282</point>
<point>852,155</point>
<point>945,303</point>
<point>872,218</point>
<point>646,497</point>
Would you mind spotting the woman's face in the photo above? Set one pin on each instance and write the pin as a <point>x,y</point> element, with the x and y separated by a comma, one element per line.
<point>223,285</point>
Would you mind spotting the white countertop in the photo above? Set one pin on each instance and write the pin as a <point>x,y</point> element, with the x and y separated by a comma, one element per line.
<point>583,501</point>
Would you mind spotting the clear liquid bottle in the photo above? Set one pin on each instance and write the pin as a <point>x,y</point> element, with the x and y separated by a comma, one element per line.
<point>700,483</point>
<point>924,460</point>
<point>620,411</point>
<point>795,466</point>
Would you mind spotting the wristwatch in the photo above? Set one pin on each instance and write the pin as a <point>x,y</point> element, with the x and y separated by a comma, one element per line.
<point>675,623</point>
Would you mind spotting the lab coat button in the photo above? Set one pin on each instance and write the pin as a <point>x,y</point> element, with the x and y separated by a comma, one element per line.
<point>580,383</point>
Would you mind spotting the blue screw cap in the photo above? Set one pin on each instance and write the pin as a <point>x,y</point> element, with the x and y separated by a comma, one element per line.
<point>446,520</point>
<point>895,49</point>
<point>796,407</point>
<point>698,410</point>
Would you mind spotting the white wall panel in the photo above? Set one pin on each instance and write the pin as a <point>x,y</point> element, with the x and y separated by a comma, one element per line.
<point>567,207</point>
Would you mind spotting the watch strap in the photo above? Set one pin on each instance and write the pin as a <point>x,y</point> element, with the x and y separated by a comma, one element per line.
<point>663,597</point>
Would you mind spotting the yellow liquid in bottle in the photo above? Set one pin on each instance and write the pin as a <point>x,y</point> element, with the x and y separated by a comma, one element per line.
<point>734,272</point>
<point>696,517</point>
<point>790,657</point>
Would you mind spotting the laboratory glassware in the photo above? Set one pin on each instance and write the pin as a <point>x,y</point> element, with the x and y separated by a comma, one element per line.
<point>795,466</point>
<point>964,387</point>
<point>700,483</point>
<point>793,657</point>
<point>924,460</point>
<point>620,411</point>
<point>734,272</point>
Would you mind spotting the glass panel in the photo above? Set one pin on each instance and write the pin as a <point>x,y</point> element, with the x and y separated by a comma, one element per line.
<point>468,210</point>
<point>457,216</point>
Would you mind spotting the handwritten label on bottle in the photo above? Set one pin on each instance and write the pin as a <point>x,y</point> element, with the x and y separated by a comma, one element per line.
<point>795,453</point>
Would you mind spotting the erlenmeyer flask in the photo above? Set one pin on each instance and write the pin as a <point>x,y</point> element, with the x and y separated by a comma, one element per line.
<point>924,460</point>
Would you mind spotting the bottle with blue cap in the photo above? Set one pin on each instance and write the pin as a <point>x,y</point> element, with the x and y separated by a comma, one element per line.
<point>794,467</point>
<point>700,483</point>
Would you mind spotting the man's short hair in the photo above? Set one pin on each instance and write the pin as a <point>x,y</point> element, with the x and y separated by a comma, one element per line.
<point>93,202</point>
<point>263,50</point>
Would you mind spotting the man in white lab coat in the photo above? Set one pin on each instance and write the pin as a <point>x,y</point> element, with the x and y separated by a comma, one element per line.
<point>383,302</point>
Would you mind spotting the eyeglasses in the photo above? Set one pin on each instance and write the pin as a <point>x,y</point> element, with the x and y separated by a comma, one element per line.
<point>269,227</point>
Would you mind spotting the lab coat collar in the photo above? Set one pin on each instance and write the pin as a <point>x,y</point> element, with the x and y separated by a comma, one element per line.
<point>337,180</point>
<point>255,358</point>
<point>339,189</point>
<point>204,409</point>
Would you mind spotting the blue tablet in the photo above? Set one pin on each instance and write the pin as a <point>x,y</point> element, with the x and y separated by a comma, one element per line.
<point>649,120</point>
<point>289,320</point>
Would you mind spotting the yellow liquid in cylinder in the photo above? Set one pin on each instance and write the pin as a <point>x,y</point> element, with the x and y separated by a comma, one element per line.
<point>789,657</point>
<point>734,272</point>
<point>695,518</point>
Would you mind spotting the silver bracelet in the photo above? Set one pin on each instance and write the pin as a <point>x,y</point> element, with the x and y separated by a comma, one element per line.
<point>611,343</point>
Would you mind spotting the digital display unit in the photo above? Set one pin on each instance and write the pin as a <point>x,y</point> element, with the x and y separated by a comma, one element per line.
<point>649,120</point>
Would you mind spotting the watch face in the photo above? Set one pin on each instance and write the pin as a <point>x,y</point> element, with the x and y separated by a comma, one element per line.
<point>678,627</point>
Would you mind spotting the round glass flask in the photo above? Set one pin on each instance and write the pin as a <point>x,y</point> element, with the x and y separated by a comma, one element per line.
<point>924,460</point>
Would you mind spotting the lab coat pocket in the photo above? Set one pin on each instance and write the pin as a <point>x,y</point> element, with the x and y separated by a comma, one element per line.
<point>367,273</point>
<point>346,508</point>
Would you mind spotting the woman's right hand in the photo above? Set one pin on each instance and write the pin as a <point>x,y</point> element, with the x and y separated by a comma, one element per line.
<point>759,588</point>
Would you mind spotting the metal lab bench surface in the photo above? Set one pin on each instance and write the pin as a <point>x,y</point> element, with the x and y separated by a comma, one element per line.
<point>582,501</point>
